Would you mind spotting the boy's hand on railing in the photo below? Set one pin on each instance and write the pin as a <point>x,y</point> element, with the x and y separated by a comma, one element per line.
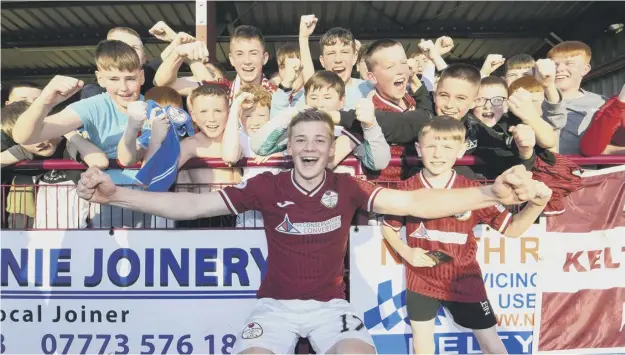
<point>59,89</point>
<point>514,186</point>
<point>96,186</point>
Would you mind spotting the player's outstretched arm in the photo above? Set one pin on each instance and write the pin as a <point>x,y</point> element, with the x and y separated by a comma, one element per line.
<point>513,187</point>
<point>95,186</point>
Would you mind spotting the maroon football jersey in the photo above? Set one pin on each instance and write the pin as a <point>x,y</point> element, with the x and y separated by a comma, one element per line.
<point>458,280</point>
<point>391,173</point>
<point>306,231</point>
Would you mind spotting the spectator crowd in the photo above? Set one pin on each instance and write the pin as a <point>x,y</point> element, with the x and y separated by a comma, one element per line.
<point>143,111</point>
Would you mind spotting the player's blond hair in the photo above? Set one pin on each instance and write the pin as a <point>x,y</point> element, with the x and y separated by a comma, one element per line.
<point>312,115</point>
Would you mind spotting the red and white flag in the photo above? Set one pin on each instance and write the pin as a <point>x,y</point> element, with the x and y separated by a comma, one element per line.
<point>581,279</point>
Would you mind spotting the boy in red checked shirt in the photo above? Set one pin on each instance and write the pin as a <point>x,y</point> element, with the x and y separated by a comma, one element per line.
<point>441,268</point>
<point>606,133</point>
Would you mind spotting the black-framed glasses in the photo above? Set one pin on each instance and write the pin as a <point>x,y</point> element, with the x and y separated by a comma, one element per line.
<point>495,101</point>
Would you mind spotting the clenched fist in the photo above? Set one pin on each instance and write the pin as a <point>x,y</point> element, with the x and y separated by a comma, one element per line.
<point>524,136</point>
<point>96,186</point>
<point>444,45</point>
<point>59,89</point>
<point>521,103</point>
<point>514,186</point>
<point>163,32</point>
<point>428,48</point>
<point>365,111</point>
<point>492,63</point>
<point>546,72</point>
<point>543,194</point>
<point>307,25</point>
<point>194,51</point>
<point>137,114</point>
<point>292,70</point>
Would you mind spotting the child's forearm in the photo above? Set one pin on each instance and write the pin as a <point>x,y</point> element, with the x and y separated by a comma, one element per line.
<point>523,220</point>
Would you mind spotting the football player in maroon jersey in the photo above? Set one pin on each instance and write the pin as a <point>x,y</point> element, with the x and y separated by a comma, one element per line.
<point>441,268</point>
<point>307,213</point>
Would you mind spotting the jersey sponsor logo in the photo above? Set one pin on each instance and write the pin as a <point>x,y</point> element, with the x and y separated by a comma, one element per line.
<point>439,236</point>
<point>329,199</point>
<point>306,228</point>
<point>242,185</point>
<point>284,204</point>
<point>252,331</point>
<point>464,216</point>
<point>500,208</point>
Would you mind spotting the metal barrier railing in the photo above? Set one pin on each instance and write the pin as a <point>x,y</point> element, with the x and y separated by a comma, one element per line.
<point>57,207</point>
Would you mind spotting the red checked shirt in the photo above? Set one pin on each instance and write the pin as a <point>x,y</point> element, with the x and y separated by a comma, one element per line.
<point>459,280</point>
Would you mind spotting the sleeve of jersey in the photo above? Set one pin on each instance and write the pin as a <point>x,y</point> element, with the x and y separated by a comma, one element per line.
<point>365,193</point>
<point>247,195</point>
<point>396,222</point>
<point>497,217</point>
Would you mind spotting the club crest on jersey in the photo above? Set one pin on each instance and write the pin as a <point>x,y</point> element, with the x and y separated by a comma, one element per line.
<point>252,331</point>
<point>329,199</point>
<point>420,232</point>
<point>463,216</point>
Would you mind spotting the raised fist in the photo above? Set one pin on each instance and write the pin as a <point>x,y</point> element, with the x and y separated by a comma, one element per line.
<point>492,63</point>
<point>292,70</point>
<point>59,89</point>
<point>521,104</point>
<point>365,110</point>
<point>137,114</point>
<point>307,25</point>
<point>524,136</point>
<point>444,44</point>
<point>182,38</point>
<point>163,32</point>
<point>428,48</point>
<point>194,51</point>
<point>546,72</point>
<point>244,100</point>
<point>159,124</point>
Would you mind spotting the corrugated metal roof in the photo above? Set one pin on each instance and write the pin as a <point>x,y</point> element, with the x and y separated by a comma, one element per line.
<point>62,35</point>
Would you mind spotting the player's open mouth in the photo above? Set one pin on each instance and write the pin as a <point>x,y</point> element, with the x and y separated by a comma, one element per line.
<point>560,77</point>
<point>212,127</point>
<point>339,70</point>
<point>125,96</point>
<point>438,163</point>
<point>309,161</point>
<point>248,70</point>
<point>488,115</point>
<point>449,113</point>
